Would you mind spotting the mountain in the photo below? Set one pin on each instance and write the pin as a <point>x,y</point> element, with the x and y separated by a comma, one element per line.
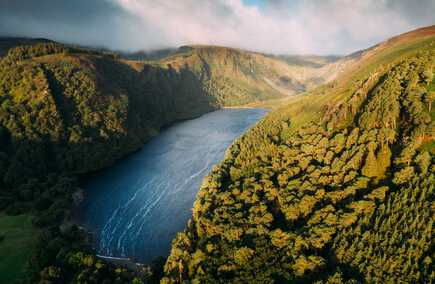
<point>149,55</point>
<point>67,101</point>
<point>237,77</point>
<point>67,111</point>
<point>335,187</point>
<point>70,102</point>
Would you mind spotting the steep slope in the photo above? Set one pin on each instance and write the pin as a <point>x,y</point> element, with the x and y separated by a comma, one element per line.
<point>67,111</point>
<point>238,77</point>
<point>337,186</point>
<point>291,198</point>
<point>352,62</point>
<point>73,103</point>
<point>67,102</point>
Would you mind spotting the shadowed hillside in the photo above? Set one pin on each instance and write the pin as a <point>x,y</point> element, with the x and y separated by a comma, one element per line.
<point>67,111</point>
<point>78,102</point>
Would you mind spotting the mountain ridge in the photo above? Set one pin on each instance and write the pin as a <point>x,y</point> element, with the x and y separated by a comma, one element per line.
<point>296,197</point>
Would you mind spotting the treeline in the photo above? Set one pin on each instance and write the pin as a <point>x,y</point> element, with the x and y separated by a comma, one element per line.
<point>39,49</point>
<point>345,198</point>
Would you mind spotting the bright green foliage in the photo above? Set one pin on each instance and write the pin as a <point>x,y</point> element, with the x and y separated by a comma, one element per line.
<point>343,197</point>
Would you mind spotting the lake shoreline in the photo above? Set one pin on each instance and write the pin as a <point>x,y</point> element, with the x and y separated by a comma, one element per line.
<point>242,123</point>
<point>76,218</point>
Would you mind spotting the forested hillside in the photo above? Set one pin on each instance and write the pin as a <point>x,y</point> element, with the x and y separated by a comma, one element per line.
<point>336,187</point>
<point>67,111</point>
<point>85,109</point>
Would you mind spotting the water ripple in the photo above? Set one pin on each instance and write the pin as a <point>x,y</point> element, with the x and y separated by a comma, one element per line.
<point>142,201</point>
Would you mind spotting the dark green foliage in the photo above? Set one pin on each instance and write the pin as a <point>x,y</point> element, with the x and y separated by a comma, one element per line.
<point>84,111</point>
<point>86,268</point>
<point>65,112</point>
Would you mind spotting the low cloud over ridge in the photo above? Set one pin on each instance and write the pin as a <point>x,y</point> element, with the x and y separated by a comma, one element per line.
<point>275,26</point>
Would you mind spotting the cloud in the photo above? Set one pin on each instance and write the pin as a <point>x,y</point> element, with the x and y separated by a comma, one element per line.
<point>275,26</point>
<point>79,21</point>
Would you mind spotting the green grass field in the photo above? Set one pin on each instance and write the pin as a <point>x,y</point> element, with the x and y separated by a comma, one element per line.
<point>16,247</point>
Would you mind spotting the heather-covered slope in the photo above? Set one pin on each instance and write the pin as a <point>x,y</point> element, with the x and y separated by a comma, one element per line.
<point>337,186</point>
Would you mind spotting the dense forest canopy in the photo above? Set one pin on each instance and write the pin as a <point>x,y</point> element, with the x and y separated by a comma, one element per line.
<point>335,186</point>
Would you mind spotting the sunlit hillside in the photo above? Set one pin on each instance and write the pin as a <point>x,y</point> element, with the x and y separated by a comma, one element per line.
<point>335,186</point>
<point>239,77</point>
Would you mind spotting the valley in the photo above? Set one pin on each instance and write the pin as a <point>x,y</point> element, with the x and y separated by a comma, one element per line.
<point>335,184</point>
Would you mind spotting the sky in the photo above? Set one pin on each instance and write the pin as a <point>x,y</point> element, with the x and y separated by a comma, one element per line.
<point>272,26</point>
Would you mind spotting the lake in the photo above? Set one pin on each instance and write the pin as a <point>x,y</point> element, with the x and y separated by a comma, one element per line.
<point>136,207</point>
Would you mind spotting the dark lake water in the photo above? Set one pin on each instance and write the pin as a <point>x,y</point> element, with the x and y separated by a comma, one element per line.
<point>137,206</point>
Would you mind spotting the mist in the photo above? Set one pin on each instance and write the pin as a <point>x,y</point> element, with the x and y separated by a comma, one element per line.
<point>279,26</point>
